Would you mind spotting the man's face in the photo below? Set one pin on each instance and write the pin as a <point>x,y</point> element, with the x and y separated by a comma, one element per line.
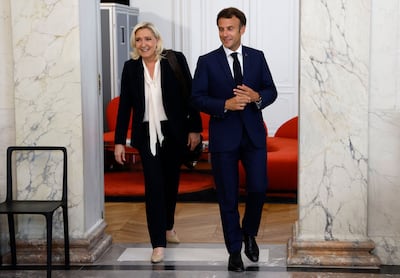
<point>230,32</point>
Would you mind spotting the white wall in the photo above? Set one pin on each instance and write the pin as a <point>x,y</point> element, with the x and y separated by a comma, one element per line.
<point>273,26</point>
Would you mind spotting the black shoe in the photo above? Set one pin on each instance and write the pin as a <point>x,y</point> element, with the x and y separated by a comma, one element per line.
<point>251,248</point>
<point>235,262</point>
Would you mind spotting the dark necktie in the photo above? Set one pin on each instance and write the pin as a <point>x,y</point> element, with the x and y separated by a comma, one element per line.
<point>237,70</point>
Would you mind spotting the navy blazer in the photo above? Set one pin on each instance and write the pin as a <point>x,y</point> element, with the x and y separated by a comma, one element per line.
<point>213,84</point>
<point>183,118</point>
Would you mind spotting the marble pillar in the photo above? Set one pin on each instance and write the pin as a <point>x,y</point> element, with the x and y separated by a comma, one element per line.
<point>384,131</point>
<point>55,91</point>
<point>333,144</point>
<point>7,128</point>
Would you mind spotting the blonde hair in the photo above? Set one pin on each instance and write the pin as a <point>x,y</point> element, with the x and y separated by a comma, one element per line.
<point>146,25</point>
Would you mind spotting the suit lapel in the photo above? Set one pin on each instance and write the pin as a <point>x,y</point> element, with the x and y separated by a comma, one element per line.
<point>246,63</point>
<point>223,61</point>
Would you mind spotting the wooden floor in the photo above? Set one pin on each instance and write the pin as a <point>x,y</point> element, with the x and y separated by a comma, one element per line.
<point>196,222</point>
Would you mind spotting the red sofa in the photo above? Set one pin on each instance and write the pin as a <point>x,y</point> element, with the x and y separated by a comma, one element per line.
<point>282,162</point>
<point>108,136</point>
<point>111,119</point>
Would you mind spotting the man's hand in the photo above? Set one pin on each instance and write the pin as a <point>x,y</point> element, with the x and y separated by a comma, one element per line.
<point>237,102</point>
<point>243,90</point>
<point>243,96</point>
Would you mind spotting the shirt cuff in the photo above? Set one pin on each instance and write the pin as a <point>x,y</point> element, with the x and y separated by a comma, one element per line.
<point>258,103</point>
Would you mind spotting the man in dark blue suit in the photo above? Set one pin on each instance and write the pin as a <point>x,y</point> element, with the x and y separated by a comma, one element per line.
<point>234,89</point>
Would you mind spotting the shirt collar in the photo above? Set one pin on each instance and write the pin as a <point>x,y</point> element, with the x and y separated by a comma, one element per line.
<point>228,52</point>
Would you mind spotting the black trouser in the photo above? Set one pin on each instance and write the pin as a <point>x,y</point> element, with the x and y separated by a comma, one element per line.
<point>161,176</point>
<point>225,170</point>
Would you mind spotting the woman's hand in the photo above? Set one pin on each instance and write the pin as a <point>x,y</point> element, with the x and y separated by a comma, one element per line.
<point>193,140</point>
<point>119,153</point>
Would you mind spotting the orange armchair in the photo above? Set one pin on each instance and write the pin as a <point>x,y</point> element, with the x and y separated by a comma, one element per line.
<point>289,129</point>
<point>111,119</point>
<point>205,119</point>
<point>282,162</point>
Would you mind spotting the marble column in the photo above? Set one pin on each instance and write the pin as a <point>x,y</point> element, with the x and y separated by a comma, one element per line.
<point>55,90</point>
<point>7,128</point>
<point>333,151</point>
<point>384,123</point>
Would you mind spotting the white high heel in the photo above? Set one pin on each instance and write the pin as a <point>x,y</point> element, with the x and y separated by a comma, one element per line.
<point>172,237</point>
<point>158,255</point>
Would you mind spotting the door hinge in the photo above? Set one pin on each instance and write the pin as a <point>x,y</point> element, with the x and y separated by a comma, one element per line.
<point>99,83</point>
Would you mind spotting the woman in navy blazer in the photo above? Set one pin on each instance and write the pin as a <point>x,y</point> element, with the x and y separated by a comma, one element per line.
<point>236,129</point>
<point>164,125</point>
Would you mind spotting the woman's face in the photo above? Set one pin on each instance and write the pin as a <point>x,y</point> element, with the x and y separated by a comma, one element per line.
<point>146,43</point>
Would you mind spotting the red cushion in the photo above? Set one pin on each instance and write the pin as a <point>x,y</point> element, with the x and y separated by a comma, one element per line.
<point>108,137</point>
<point>282,166</point>
<point>131,183</point>
<point>205,119</point>
<point>282,169</point>
<point>289,129</point>
<point>111,114</point>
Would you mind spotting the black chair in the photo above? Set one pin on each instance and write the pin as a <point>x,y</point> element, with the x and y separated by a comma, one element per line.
<point>12,206</point>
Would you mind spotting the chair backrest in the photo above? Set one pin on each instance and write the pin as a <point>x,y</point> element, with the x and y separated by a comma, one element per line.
<point>111,114</point>
<point>41,166</point>
<point>205,120</point>
<point>288,129</point>
<point>266,128</point>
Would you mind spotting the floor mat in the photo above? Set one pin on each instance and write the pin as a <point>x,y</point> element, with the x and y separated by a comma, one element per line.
<point>197,254</point>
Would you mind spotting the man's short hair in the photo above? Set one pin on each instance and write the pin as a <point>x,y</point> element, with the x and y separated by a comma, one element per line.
<point>231,12</point>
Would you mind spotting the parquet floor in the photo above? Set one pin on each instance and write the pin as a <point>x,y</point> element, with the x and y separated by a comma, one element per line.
<point>196,222</point>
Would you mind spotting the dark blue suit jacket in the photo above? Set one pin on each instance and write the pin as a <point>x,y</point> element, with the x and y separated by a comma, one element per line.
<point>213,84</point>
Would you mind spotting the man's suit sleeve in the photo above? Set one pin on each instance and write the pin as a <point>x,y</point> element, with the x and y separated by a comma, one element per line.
<point>268,92</point>
<point>200,95</point>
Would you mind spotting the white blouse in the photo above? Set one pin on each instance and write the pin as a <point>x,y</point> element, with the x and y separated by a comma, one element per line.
<point>154,108</point>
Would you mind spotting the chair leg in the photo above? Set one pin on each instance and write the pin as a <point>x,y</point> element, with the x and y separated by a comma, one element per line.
<point>13,248</point>
<point>49,225</point>
<point>66,239</point>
